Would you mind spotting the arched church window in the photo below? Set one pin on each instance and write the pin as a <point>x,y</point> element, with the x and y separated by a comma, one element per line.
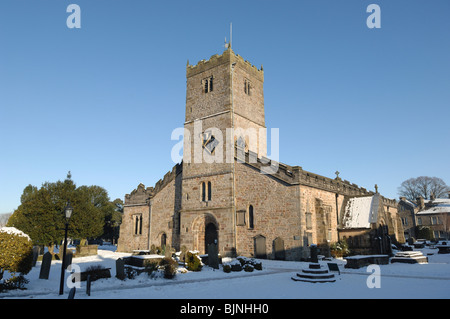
<point>209,190</point>
<point>137,224</point>
<point>206,191</point>
<point>247,87</point>
<point>207,84</point>
<point>163,240</point>
<point>203,192</point>
<point>250,217</point>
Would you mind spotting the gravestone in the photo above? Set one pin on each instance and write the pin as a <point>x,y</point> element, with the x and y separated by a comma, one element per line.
<point>120,268</point>
<point>68,261</point>
<point>72,293</point>
<point>334,267</point>
<point>260,247</point>
<point>213,256</point>
<point>278,247</point>
<point>88,285</point>
<point>168,251</point>
<point>314,254</point>
<point>35,254</point>
<point>45,266</point>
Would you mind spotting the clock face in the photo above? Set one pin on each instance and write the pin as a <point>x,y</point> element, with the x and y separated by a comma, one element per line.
<point>209,142</point>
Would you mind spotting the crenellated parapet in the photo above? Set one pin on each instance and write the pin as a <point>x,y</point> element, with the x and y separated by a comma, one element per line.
<point>228,56</point>
<point>142,195</point>
<point>295,175</point>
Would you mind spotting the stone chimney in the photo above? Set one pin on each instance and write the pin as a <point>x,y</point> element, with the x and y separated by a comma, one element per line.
<point>420,202</point>
<point>432,197</point>
<point>402,198</point>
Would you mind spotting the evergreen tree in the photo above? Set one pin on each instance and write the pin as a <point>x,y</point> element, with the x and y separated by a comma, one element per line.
<point>41,213</point>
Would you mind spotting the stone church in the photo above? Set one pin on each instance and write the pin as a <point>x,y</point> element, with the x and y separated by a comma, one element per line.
<point>234,195</point>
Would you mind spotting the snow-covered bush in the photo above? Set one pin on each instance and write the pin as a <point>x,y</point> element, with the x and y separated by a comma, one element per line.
<point>169,266</point>
<point>241,262</point>
<point>16,251</point>
<point>16,282</point>
<point>234,265</point>
<point>226,268</point>
<point>339,249</point>
<point>193,261</point>
<point>248,268</point>
<point>249,261</point>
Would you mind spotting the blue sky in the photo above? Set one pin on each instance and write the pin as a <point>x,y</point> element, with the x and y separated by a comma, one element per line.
<point>102,100</point>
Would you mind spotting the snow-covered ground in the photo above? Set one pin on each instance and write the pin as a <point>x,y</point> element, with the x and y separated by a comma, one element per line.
<point>404,281</point>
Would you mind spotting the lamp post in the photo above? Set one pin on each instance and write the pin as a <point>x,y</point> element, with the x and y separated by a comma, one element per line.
<point>67,212</point>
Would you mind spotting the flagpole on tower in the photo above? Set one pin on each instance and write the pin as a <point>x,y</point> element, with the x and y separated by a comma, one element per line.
<point>231,33</point>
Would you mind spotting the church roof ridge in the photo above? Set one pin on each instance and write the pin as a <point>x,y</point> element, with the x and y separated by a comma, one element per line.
<point>295,175</point>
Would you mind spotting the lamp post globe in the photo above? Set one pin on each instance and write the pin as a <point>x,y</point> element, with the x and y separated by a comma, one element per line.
<point>68,211</point>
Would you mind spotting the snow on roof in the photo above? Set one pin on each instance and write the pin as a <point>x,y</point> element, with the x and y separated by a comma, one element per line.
<point>436,206</point>
<point>410,203</point>
<point>360,212</point>
<point>14,231</point>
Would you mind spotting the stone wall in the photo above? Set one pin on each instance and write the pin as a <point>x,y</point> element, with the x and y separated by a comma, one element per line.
<point>129,238</point>
<point>276,213</point>
<point>319,209</point>
<point>163,202</point>
<point>165,207</point>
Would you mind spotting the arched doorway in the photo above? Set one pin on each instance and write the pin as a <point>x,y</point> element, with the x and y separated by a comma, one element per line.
<point>211,235</point>
<point>205,230</point>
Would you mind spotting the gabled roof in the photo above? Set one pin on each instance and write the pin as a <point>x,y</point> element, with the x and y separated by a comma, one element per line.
<point>436,206</point>
<point>408,202</point>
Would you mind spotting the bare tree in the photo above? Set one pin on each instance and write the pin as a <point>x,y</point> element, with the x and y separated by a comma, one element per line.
<point>424,186</point>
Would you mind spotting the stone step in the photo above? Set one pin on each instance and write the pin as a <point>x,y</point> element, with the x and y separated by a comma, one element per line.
<point>315,271</point>
<point>314,274</point>
<point>313,280</point>
<point>410,260</point>
<point>318,276</point>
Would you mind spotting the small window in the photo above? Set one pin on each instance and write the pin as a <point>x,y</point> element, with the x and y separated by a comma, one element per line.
<point>206,191</point>
<point>163,240</point>
<point>209,191</point>
<point>250,217</point>
<point>203,191</point>
<point>137,224</point>
<point>405,221</point>
<point>207,84</point>
<point>435,220</point>
<point>247,87</point>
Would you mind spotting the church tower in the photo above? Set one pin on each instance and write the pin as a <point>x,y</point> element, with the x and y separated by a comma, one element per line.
<point>224,108</point>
